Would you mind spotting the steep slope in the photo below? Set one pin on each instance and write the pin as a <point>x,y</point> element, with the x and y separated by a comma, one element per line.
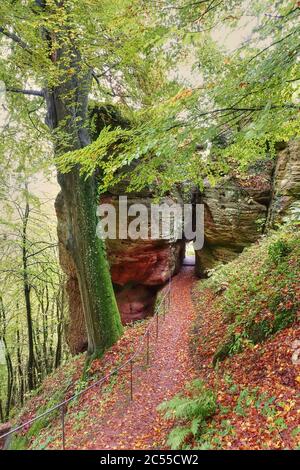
<point>105,417</point>
<point>246,346</point>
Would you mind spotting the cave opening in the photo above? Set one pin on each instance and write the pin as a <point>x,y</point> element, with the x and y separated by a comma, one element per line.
<point>190,256</point>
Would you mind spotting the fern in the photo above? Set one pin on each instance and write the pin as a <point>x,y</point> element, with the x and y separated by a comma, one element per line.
<point>177,437</point>
<point>196,424</point>
<point>191,411</point>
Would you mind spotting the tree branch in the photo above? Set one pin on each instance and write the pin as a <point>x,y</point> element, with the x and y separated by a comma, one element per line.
<point>271,45</point>
<point>15,38</point>
<point>258,108</point>
<point>26,92</point>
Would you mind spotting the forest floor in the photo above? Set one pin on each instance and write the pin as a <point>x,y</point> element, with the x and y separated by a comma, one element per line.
<point>104,417</point>
<point>255,385</point>
<point>136,424</point>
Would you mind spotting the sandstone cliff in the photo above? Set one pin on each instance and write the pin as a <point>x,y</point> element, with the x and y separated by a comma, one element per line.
<point>239,210</point>
<point>139,268</point>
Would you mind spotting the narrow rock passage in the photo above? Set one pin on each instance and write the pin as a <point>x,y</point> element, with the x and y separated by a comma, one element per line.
<point>137,424</point>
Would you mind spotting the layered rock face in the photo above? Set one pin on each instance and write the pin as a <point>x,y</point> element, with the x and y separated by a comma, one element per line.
<point>150,261</point>
<point>139,267</point>
<point>235,212</point>
<point>239,210</point>
<point>286,184</point>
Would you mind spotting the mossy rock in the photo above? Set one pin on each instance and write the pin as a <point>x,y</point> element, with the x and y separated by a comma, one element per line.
<point>102,115</point>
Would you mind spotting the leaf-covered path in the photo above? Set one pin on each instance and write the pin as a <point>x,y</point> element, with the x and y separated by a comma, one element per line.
<point>137,424</point>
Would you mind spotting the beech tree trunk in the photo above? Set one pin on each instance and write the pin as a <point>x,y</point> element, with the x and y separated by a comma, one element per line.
<point>67,117</point>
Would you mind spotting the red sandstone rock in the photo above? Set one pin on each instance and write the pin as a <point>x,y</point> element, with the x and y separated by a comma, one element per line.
<point>136,302</point>
<point>147,264</point>
<point>138,268</point>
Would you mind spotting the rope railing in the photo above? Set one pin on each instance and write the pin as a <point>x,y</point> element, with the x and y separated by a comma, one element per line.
<point>165,302</point>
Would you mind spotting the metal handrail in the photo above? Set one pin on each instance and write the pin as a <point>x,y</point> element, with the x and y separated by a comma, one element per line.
<point>103,379</point>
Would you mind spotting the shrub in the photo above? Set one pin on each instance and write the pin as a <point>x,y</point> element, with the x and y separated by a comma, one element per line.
<point>261,295</point>
<point>278,251</point>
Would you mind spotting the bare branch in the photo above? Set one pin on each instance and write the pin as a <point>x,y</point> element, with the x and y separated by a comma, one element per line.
<point>26,92</point>
<point>15,38</point>
<point>273,44</point>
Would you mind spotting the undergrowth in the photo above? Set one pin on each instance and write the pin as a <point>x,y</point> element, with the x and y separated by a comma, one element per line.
<point>258,293</point>
<point>252,300</point>
<point>192,412</point>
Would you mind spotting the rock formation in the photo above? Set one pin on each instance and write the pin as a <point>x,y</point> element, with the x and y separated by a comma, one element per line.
<point>286,183</point>
<point>5,428</point>
<point>240,209</point>
<point>237,211</point>
<point>139,268</point>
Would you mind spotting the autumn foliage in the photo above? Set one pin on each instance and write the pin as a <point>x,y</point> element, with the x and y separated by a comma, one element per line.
<point>245,345</point>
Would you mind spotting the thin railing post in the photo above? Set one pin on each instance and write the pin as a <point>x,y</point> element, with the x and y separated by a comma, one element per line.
<point>148,348</point>
<point>131,380</point>
<point>62,415</point>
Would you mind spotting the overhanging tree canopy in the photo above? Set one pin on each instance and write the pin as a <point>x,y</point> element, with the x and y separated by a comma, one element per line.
<point>247,101</point>
<point>63,52</point>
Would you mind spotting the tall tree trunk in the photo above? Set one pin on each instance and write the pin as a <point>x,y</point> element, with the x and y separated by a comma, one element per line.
<point>88,252</point>
<point>20,369</point>
<point>10,379</point>
<point>67,116</point>
<point>27,289</point>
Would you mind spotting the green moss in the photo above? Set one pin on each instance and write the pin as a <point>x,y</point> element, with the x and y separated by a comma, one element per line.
<point>279,250</point>
<point>102,115</point>
<point>102,316</point>
<point>283,320</point>
<point>18,443</point>
<point>224,350</point>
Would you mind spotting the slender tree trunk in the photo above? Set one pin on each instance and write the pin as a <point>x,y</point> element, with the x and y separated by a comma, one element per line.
<point>20,369</point>
<point>45,310</point>
<point>27,289</point>
<point>1,412</point>
<point>60,301</point>
<point>10,380</point>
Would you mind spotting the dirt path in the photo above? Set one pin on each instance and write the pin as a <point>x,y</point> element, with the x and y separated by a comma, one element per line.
<point>136,424</point>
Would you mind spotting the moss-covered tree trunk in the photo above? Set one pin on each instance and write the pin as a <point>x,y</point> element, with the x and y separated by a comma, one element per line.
<point>67,117</point>
<point>101,314</point>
